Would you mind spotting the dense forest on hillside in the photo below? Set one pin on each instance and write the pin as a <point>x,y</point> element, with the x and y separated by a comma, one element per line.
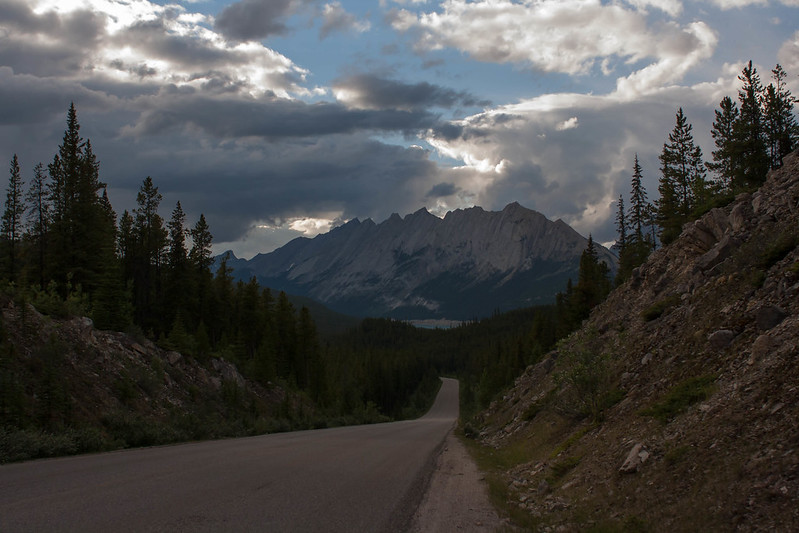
<point>65,251</point>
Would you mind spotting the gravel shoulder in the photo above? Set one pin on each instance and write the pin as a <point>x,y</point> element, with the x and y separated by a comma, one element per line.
<point>457,498</point>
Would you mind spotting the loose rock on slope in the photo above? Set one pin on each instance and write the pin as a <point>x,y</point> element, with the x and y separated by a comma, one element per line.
<point>710,385</point>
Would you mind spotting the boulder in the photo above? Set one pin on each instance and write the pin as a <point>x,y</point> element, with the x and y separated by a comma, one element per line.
<point>173,357</point>
<point>762,346</point>
<point>721,339</point>
<point>769,316</point>
<point>637,456</point>
<point>738,217</point>
<point>719,253</point>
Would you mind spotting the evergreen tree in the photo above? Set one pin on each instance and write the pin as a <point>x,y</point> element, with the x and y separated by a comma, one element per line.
<point>779,121</point>
<point>682,183</point>
<point>111,305</point>
<point>13,221</point>
<point>593,284</point>
<point>201,261</point>
<point>151,238</point>
<point>621,225</point>
<point>748,131</point>
<point>639,244</point>
<point>78,220</point>
<point>38,221</point>
<point>201,245</point>
<point>285,329</point>
<point>725,161</point>
<point>638,203</point>
<point>126,245</point>
<point>178,286</point>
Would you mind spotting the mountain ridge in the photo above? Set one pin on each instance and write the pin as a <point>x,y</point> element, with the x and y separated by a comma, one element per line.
<point>469,263</point>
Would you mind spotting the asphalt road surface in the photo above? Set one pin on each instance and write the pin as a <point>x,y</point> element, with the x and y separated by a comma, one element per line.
<point>360,478</point>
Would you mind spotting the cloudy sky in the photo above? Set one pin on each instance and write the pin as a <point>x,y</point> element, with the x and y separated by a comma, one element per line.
<point>281,118</point>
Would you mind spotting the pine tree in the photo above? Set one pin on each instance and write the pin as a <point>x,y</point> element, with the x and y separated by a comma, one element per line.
<point>201,245</point>
<point>621,225</point>
<point>639,244</point>
<point>638,203</point>
<point>779,121</point>
<point>38,221</point>
<point>725,161</point>
<point>111,305</point>
<point>178,287</point>
<point>682,183</point>
<point>77,215</point>
<point>126,245</point>
<point>151,238</point>
<point>593,284</point>
<point>201,261</point>
<point>750,146</point>
<point>13,221</point>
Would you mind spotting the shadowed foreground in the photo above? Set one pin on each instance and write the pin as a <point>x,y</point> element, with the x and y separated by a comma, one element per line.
<point>361,478</point>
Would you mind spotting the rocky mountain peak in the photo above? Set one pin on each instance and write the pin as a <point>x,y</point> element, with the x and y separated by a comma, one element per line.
<point>467,264</point>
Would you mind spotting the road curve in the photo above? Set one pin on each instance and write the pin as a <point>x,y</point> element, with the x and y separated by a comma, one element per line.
<point>359,478</point>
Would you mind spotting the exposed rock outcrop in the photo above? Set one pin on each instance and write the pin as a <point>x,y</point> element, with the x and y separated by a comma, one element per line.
<point>710,385</point>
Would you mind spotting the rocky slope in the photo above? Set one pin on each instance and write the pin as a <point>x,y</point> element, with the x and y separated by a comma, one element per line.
<point>468,264</point>
<point>72,388</point>
<point>698,386</point>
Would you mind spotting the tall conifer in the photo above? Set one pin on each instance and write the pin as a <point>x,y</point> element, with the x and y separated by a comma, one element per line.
<point>12,222</point>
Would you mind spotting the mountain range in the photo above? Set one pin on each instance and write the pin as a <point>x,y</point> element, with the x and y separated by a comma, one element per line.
<point>466,265</point>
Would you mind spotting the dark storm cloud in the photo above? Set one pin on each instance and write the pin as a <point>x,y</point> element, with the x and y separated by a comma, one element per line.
<point>254,19</point>
<point>370,91</point>
<point>272,118</point>
<point>442,190</point>
<point>154,38</point>
<point>234,186</point>
<point>29,99</point>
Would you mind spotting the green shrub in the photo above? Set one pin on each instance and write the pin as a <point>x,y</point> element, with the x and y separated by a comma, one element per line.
<point>584,377</point>
<point>681,397</point>
<point>561,468</point>
<point>657,309</point>
<point>677,454</point>
<point>778,249</point>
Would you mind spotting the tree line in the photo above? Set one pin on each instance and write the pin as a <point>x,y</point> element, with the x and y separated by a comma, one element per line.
<point>64,249</point>
<point>751,137</point>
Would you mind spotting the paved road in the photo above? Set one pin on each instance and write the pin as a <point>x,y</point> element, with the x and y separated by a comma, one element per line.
<point>361,478</point>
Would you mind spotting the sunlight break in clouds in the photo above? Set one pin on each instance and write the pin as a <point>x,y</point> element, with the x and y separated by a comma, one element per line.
<point>167,45</point>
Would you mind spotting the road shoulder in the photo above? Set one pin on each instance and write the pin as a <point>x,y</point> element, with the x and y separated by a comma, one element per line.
<point>457,497</point>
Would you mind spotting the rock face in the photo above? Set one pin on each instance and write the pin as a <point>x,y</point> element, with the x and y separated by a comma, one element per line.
<point>722,456</point>
<point>468,264</point>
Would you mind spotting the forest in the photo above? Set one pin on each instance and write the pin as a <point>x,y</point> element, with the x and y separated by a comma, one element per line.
<point>64,250</point>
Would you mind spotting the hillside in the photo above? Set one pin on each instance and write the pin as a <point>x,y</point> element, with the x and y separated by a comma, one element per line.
<point>468,264</point>
<point>676,406</point>
<point>73,388</point>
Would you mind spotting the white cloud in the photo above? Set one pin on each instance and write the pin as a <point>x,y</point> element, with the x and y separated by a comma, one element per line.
<point>566,36</point>
<point>682,51</point>
<point>735,4</point>
<point>167,45</point>
<point>788,56</point>
<point>672,7</point>
<point>537,152</point>
<point>336,18</point>
<point>568,124</point>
